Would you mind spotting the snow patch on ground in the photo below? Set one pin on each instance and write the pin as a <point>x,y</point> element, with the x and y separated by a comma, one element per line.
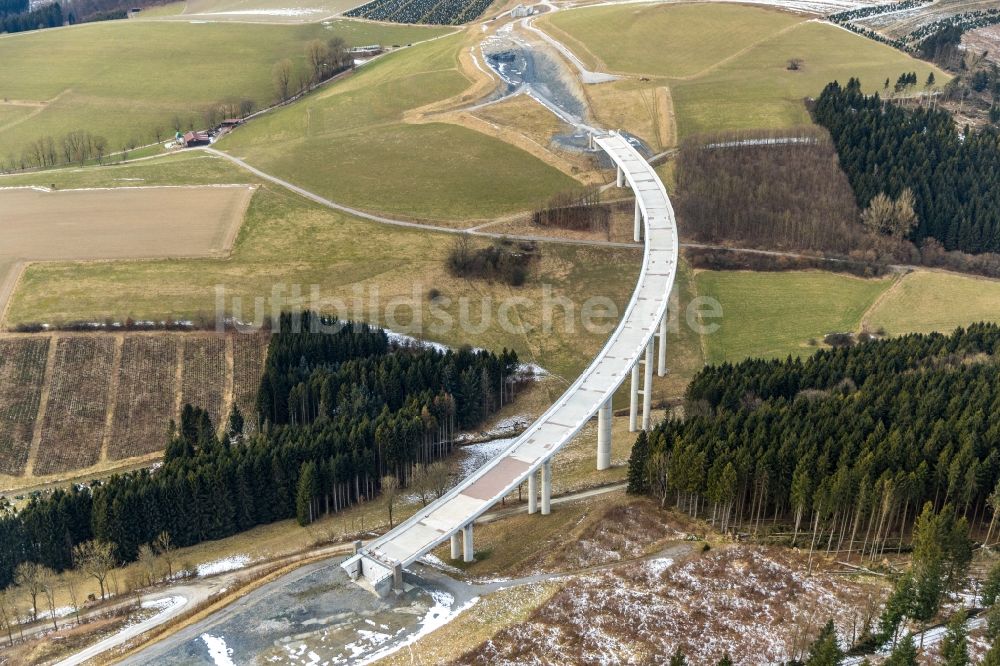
<point>475,456</point>
<point>524,370</point>
<point>657,566</point>
<point>432,560</point>
<point>221,654</point>
<point>167,606</point>
<point>440,614</point>
<point>231,563</point>
<point>504,428</point>
<point>404,340</point>
<point>743,600</point>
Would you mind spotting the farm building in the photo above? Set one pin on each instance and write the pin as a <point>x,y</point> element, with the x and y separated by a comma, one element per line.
<point>521,11</point>
<point>196,139</point>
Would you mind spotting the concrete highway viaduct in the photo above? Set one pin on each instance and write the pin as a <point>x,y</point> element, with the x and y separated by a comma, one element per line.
<point>627,355</point>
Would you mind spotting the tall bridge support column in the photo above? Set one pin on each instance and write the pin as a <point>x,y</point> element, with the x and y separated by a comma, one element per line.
<point>661,366</point>
<point>397,578</point>
<point>468,554</point>
<point>620,178</point>
<point>533,492</point>
<point>547,487</point>
<point>456,546</point>
<point>604,435</point>
<point>637,226</point>
<point>633,403</point>
<point>647,386</point>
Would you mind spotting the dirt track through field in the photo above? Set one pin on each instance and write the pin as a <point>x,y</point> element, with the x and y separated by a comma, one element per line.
<point>116,223</point>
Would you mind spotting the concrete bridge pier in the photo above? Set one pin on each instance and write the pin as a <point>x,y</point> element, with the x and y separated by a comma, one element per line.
<point>620,178</point>
<point>533,492</point>
<point>468,554</point>
<point>647,386</point>
<point>604,416</point>
<point>661,366</point>
<point>637,227</point>
<point>547,487</point>
<point>456,546</point>
<point>397,578</point>
<point>633,403</point>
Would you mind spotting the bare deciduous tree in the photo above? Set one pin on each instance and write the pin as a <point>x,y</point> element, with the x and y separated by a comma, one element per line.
<point>164,547</point>
<point>148,562</point>
<point>8,613</point>
<point>892,218</point>
<point>96,559</point>
<point>281,73</point>
<point>318,57</point>
<point>437,478</point>
<point>390,491</point>
<point>28,577</point>
<point>50,581</point>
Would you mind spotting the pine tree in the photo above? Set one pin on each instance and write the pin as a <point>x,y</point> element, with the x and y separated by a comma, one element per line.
<point>955,644</point>
<point>904,654</point>
<point>725,661</point>
<point>678,658</point>
<point>991,587</point>
<point>825,651</point>
<point>992,657</point>
<point>307,490</point>
<point>638,480</point>
<point>234,428</point>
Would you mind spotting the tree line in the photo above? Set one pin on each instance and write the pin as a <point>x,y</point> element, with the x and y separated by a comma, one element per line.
<point>845,447</point>
<point>324,60</point>
<point>8,7</point>
<point>343,405</point>
<point>49,16</point>
<point>885,149</point>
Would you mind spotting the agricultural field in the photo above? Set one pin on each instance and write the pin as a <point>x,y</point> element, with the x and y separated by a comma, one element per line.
<point>925,301</point>
<point>164,75</point>
<point>392,264</point>
<point>441,12</point>
<point>125,223</point>
<point>177,168</point>
<point>76,412</point>
<point>271,11</point>
<point>146,398</point>
<point>773,315</point>
<point>22,376</point>
<point>350,143</point>
<point>743,80</point>
<point>776,314</point>
<point>108,398</point>
<point>205,375</point>
<point>675,41</point>
<point>249,354</point>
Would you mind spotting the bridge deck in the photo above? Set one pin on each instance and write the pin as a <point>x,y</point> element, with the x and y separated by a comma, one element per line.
<point>436,522</point>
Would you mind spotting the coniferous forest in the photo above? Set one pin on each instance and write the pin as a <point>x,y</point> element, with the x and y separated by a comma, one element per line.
<point>844,447</point>
<point>346,406</point>
<point>884,148</point>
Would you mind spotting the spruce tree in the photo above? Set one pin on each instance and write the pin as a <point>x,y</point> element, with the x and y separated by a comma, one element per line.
<point>638,480</point>
<point>904,654</point>
<point>992,656</point>
<point>307,487</point>
<point>725,661</point>
<point>955,644</point>
<point>825,651</point>
<point>991,587</point>
<point>678,658</point>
